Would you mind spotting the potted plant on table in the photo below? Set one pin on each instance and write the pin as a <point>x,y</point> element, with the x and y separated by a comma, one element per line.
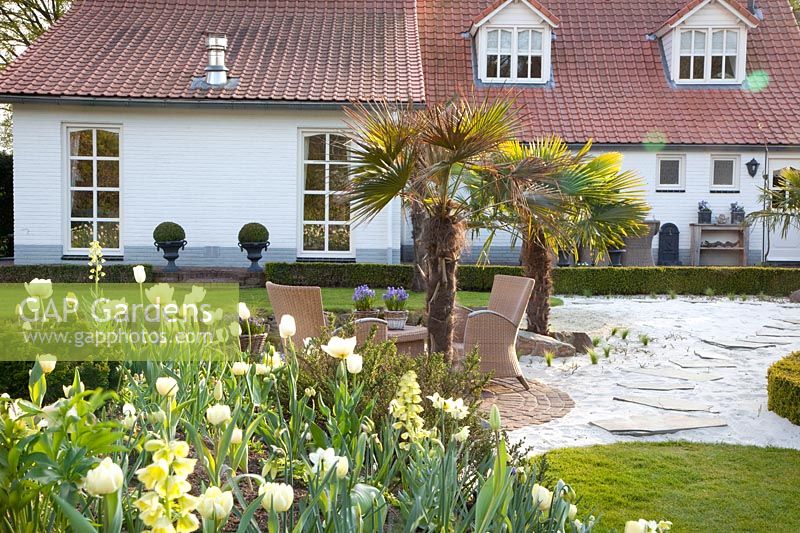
<point>254,238</point>
<point>737,213</point>
<point>170,238</point>
<point>703,213</point>
<point>254,334</point>
<point>364,302</point>
<point>396,314</point>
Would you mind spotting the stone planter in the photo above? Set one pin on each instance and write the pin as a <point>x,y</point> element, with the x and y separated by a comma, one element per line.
<point>253,343</point>
<point>615,256</point>
<point>171,250</point>
<point>396,320</point>
<point>371,313</point>
<point>704,216</point>
<point>737,217</point>
<point>254,254</point>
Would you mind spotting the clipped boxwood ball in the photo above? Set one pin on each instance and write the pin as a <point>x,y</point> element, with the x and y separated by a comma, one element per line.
<point>168,231</point>
<point>253,232</point>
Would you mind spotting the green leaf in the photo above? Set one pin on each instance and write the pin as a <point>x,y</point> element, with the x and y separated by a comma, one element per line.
<point>247,516</point>
<point>77,522</point>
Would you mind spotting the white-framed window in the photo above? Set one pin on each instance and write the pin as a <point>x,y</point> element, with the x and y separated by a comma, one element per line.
<point>518,54</point>
<point>671,172</point>
<point>724,173</point>
<point>710,55</point>
<point>93,188</point>
<point>324,210</point>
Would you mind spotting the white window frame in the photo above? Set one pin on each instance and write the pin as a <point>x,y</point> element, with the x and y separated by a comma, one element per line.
<point>318,254</point>
<point>66,176</point>
<point>741,53</point>
<point>681,185</point>
<point>483,49</point>
<point>736,173</point>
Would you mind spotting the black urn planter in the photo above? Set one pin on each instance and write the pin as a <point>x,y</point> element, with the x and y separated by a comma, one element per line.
<point>564,259</point>
<point>704,216</point>
<point>737,217</point>
<point>254,254</point>
<point>615,255</point>
<point>171,251</point>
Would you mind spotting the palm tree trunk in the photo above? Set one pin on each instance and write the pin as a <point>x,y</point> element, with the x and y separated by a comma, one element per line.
<point>537,264</point>
<point>444,246</point>
<point>419,281</point>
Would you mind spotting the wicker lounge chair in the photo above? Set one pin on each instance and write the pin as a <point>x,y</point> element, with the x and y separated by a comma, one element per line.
<point>639,250</point>
<point>494,330</point>
<point>304,304</point>
<point>365,326</point>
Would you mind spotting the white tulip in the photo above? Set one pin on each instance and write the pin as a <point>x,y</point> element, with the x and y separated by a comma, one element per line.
<point>462,435</point>
<point>105,478</point>
<point>354,363</point>
<point>236,436</point>
<point>340,348</point>
<point>218,414</point>
<point>68,391</point>
<point>278,496</point>
<point>636,526</point>
<point>167,386</point>
<point>160,294</point>
<point>261,369</point>
<point>323,460</point>
<point>542,497</point>
<point>287,327</point>
<point>47,362</point>
<point>215,504</point>
<point>573,512</point>
<point>139,274</point>
<point>342,466</point>
<point>39,288</point>
<point>240,368</point>
<point>244,312</point>
<point>218,390</point>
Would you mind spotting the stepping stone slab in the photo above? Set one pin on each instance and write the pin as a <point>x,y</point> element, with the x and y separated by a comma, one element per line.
<point>703,354</point>
<point>677,373</point>
<point>781,327</point>
<point>707,363</point>
<point>657,386</point>
<point>738,345</point>
<point>794,321</point>
<point>777,333</point>
<point>669,404</point>
<point>773,340</point>
<point>642,426</point>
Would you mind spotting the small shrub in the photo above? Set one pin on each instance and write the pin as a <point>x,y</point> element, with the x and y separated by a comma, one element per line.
<point>644,339</point>
<point>596,341</point>
<point>709,292</point>
<point>672,294</point>
<point>624,334</point>
<point>731,296</point>
<point>253,232</point>
<point>783,388</point>
<point>168,231</point>
<point>607,351</point>
<point>614,331</point>
<point>593,356</point>
<point>548,358</point>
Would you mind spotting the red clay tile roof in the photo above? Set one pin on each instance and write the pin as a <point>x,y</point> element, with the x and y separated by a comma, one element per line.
<point>298,50</point>
<point>536,5</point>
<point>609,81</point>
<point>688,8</point>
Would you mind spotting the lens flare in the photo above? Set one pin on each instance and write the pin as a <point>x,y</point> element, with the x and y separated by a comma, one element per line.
<point>757,81</point>
<point>655,141</point>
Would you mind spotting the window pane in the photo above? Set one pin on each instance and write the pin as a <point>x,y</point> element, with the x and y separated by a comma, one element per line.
<point>698,71</point>
<point>314,237</point>
<point>315,177</point>
<point>523,40</point>
<point>108,173</point>
<point>536,67</point>
<point>505,41</point>
<point>339,238</point>
<point>730,67</point>
<point>723,172</point>
<point>522,66</point>
<point>107,143</point>
<point>670,172</point>
<point>314,207</point>
<point>491,41</point>
<point>82,204</point>
<point>685,68</point>
<point>315,148</point>
<point>536,41</point>
<point>81,234</point>
<point>731,38</point>
<point>716,67</point>
<point>107,204</point>
<point>108,234</point>
<point>81,173</point>
<point>699,42</point>
<point>339,208</point>
<point>80,143</point>
<point>717,40</point>
<point>505,66</point>
<point>338,177</point>
<point>491,66</point>
<point>338,148</point>
<point>686,42</point>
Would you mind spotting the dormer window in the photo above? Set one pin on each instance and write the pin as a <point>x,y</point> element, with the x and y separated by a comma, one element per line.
<point>514,54</point>
<point>708,55</point>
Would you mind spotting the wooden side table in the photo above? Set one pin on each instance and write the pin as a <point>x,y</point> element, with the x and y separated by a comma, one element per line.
<point>411,340</point>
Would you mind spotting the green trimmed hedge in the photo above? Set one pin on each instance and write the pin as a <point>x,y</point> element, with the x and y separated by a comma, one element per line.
<point>14,377</point>
<point>68,273</point>
<point>573,280</point>
<point>783,388</point>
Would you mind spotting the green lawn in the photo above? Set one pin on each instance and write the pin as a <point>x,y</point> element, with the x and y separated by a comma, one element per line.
<point>699,487</point>
<point>339,300</point>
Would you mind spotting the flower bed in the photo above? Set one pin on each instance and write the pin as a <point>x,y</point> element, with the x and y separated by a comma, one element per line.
<point>783,387</point>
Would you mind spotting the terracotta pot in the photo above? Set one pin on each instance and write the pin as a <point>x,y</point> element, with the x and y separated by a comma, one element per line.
<point>396,320</point>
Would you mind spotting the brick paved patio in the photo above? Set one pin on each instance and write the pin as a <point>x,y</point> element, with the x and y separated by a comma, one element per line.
<point>520,408</point>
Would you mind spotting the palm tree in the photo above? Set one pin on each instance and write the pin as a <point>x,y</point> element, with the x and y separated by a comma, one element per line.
<point>435,159</point>
<point>782,204</point>
<point>586,200</point>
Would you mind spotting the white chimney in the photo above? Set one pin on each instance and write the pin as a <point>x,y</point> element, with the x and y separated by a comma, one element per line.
<point>216,71</point>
